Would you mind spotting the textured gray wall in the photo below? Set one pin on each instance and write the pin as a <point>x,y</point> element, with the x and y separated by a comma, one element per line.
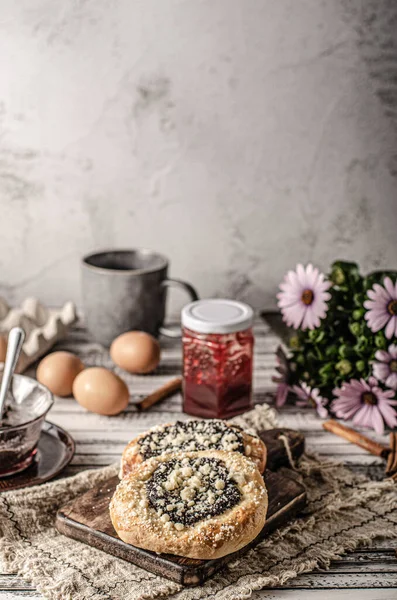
<point>236,136</point>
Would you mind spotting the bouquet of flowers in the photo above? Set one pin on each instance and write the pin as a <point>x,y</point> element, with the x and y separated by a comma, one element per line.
<point>343,352</point>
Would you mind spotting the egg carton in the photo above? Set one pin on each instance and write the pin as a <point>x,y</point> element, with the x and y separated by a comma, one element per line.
<point>43,327</point>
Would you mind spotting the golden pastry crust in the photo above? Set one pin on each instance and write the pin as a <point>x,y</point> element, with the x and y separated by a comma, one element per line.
<point>250,445</point>
<point>143,522</point>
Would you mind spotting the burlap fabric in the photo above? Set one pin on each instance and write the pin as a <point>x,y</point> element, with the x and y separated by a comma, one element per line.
<point>343,511</point>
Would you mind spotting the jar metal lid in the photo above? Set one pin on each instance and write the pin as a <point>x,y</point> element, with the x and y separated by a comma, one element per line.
<point>217,316</point>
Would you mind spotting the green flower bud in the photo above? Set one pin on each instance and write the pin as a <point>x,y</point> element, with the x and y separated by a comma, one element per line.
<point>306,375</point>
<point>380,340</point>
<point>345,351</point>
<point>294,342</point>
<point>355,328</point>
<point>358,314</point>
<point>338,276</point>
<point>318,337</point>
<point>326,370</point>
<point>359,299</point>
<point>360,366</point>
<point>344,366</point>
<point>362,344</point>
<point>331,351</point>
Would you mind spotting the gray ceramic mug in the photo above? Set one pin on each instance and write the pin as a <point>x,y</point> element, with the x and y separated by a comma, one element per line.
<point>126,290</point>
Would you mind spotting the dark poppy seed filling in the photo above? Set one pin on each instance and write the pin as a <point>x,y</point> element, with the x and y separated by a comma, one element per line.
<point>191,436</point>
<point>188,490</point>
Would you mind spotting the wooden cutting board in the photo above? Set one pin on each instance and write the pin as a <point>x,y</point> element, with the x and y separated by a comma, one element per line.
<point>87,519</point>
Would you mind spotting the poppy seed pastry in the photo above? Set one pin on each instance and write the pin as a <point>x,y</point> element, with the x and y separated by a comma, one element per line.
<point>200,505</point>
<point>192,436</point>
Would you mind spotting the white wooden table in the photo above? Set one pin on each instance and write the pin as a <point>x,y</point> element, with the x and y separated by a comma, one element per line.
<point>368,574</point>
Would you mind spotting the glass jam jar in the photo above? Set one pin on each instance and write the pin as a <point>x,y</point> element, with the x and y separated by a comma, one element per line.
<point>217,358</point>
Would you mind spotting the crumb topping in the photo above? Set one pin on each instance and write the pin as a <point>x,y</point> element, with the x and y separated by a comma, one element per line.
<point>191,436</point>
<point>185,491</point>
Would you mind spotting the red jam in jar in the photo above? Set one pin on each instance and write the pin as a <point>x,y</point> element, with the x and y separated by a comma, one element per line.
<point>217,358</point>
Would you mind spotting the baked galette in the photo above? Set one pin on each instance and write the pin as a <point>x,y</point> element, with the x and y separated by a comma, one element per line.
<point>192,436</point>
<point>197,504</point>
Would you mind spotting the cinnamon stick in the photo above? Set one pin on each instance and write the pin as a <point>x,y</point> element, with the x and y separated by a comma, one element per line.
<point>162,392</point>
<point>391,467</point>
<point>356,438</point>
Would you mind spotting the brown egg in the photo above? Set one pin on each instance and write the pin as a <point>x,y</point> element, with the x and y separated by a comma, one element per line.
<point>101,391</point>
<point>3,348</point>
<point>58,370</point>
<point>136,352</point>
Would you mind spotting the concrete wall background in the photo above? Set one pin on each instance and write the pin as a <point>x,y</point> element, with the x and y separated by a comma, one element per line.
<point>235,136</point>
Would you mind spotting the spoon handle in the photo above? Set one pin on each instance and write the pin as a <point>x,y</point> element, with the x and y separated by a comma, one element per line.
<point>16,338</point>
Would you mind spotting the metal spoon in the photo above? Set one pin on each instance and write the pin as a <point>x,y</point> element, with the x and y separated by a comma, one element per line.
<point>16,338</point>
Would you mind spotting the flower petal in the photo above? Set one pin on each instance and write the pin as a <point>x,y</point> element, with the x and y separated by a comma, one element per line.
<point>389,414</point>
<point>377,420</point>
<point>322,411</point>
<point>382,355</point>
<point>300,271</point>
<point>387,282</point>
<point>301,393</point>
<point>393,351</point>
<point>376,321</point>
<point>360,418</point>
<point>381,292</point>
<point>381,371</point>
<point>391,327</point>
<point>391,381</point>
<point>281,394</point>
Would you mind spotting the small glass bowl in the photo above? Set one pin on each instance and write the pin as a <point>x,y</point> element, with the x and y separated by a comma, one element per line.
<point>18,443</point>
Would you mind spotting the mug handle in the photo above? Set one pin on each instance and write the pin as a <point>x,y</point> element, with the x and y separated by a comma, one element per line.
<point>183,285</point>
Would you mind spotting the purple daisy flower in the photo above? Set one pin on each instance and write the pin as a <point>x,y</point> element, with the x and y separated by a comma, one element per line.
<point>385,366</point>
<point>282,378</point>
<point>382,308</point>
<point>310,397</point>
<point>366,403</point>
<point>303,297</point>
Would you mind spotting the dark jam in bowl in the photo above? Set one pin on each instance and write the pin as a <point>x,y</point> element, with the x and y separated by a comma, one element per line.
<point>217,371</point>
<point>26,408</point>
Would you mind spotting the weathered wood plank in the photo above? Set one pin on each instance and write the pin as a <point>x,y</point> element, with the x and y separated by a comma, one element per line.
<point>315,594</point>
<point>344,580</point>
<point>14,582</point>
<point>310,593</point>
<point>268,594</point>
<point>318,580</point>
<point>13,595</point>
<point>379,566</point>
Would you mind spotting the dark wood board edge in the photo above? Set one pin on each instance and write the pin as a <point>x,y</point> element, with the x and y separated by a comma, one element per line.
<point>106,543</point>
<point>277,454</point>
